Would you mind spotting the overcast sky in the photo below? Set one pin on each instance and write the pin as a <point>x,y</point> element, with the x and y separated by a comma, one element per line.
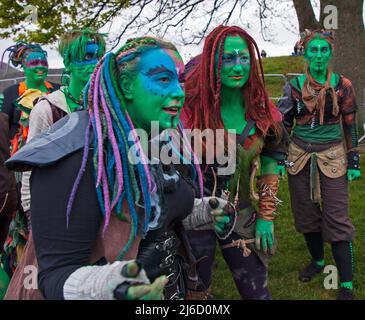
<point>282,32</point>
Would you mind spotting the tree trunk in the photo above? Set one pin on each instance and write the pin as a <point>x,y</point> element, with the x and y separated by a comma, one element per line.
<point>350,47</point>
<point>305,14</point>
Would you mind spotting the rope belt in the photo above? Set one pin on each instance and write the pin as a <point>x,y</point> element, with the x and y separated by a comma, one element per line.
<point>240,244</point>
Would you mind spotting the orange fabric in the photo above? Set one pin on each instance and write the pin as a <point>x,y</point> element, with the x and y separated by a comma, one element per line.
<point>23,87</point>
<point>23,132</point>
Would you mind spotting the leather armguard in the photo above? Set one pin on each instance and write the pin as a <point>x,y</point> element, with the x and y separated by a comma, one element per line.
<point>268,186</point>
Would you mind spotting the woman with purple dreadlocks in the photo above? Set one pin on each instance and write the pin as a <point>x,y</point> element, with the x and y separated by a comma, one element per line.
<point>102,208</point>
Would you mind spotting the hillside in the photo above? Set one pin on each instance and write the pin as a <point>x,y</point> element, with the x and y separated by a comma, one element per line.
<point>280,65</point>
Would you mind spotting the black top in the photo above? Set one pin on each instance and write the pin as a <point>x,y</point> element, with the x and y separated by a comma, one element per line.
<point>61,251</point>
<point>7,180</point>
<point>55,158</point>
<point>10,95</point>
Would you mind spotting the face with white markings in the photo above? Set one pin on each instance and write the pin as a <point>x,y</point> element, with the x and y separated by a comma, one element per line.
<point>235,67</point>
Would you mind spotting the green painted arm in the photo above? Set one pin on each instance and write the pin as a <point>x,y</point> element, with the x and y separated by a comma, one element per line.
<point>269,165</point>
<point>353,174</point>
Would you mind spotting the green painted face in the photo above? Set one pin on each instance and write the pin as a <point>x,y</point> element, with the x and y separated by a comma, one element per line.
<point>35,67</point>
<point>82,69</point>
<point>155,94</point>
<point>81,73</point>
<point>318,54</point>
<point>235,68</point>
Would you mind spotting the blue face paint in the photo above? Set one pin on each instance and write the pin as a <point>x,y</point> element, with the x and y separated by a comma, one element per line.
<point>160,74</point>
<point>157,92</point>
<point>36,59</point>
<point>91,55</point>
<point>232,59</point>
<point>235,67</point>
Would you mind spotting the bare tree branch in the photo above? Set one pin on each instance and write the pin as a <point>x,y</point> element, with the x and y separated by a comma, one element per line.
<point>142,7</point>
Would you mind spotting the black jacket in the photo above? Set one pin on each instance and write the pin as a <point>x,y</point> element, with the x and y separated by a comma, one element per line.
<point>10,95</point>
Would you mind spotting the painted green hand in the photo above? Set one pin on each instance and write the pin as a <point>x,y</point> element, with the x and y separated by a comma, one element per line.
<point>353,174</point>
<point>264,235</point>
<point>220,219</point>
<point>152,291</point>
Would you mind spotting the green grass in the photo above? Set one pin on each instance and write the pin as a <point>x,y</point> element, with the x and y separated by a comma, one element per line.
<point>292,254</point>
<point>280,65</point>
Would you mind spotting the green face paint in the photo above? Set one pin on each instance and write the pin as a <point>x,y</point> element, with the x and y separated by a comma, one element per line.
<point>82,68</point>
<point>35,69</point>
<point>80,65</point>
<point>318,54</point>
<point>156,93</point>
<point>81,73</point>
<point>235,68</point>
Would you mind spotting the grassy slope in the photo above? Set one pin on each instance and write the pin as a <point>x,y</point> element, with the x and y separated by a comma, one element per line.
<point>292,254</point>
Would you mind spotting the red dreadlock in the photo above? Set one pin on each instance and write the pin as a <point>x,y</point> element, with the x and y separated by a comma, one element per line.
<point>202,105</point>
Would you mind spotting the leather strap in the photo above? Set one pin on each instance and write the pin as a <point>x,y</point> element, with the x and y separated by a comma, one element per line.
<point>243,136</point>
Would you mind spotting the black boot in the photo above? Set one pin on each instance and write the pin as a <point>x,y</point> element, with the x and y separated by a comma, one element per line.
<point>310,271</point>
<point>345,294</point>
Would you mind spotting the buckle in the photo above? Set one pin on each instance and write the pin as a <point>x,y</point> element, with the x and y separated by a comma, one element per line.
<point>164,245</point>
<point>169,260</point>
<point>168,243</point>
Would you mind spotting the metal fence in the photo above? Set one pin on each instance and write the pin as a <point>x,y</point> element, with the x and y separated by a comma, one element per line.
<point>4,83</point>
<point>284,77</point>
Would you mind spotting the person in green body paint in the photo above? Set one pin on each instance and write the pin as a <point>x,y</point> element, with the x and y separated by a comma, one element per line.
<point>236,100</point>
<point>323,157</point>
<point>234,75</point>
<point>80,51</point>
<point>17,104</point>
<point>143,66</point>
<point>33,60</point>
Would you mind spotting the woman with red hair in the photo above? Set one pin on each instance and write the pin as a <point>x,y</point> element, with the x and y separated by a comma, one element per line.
<point>225,90</point>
